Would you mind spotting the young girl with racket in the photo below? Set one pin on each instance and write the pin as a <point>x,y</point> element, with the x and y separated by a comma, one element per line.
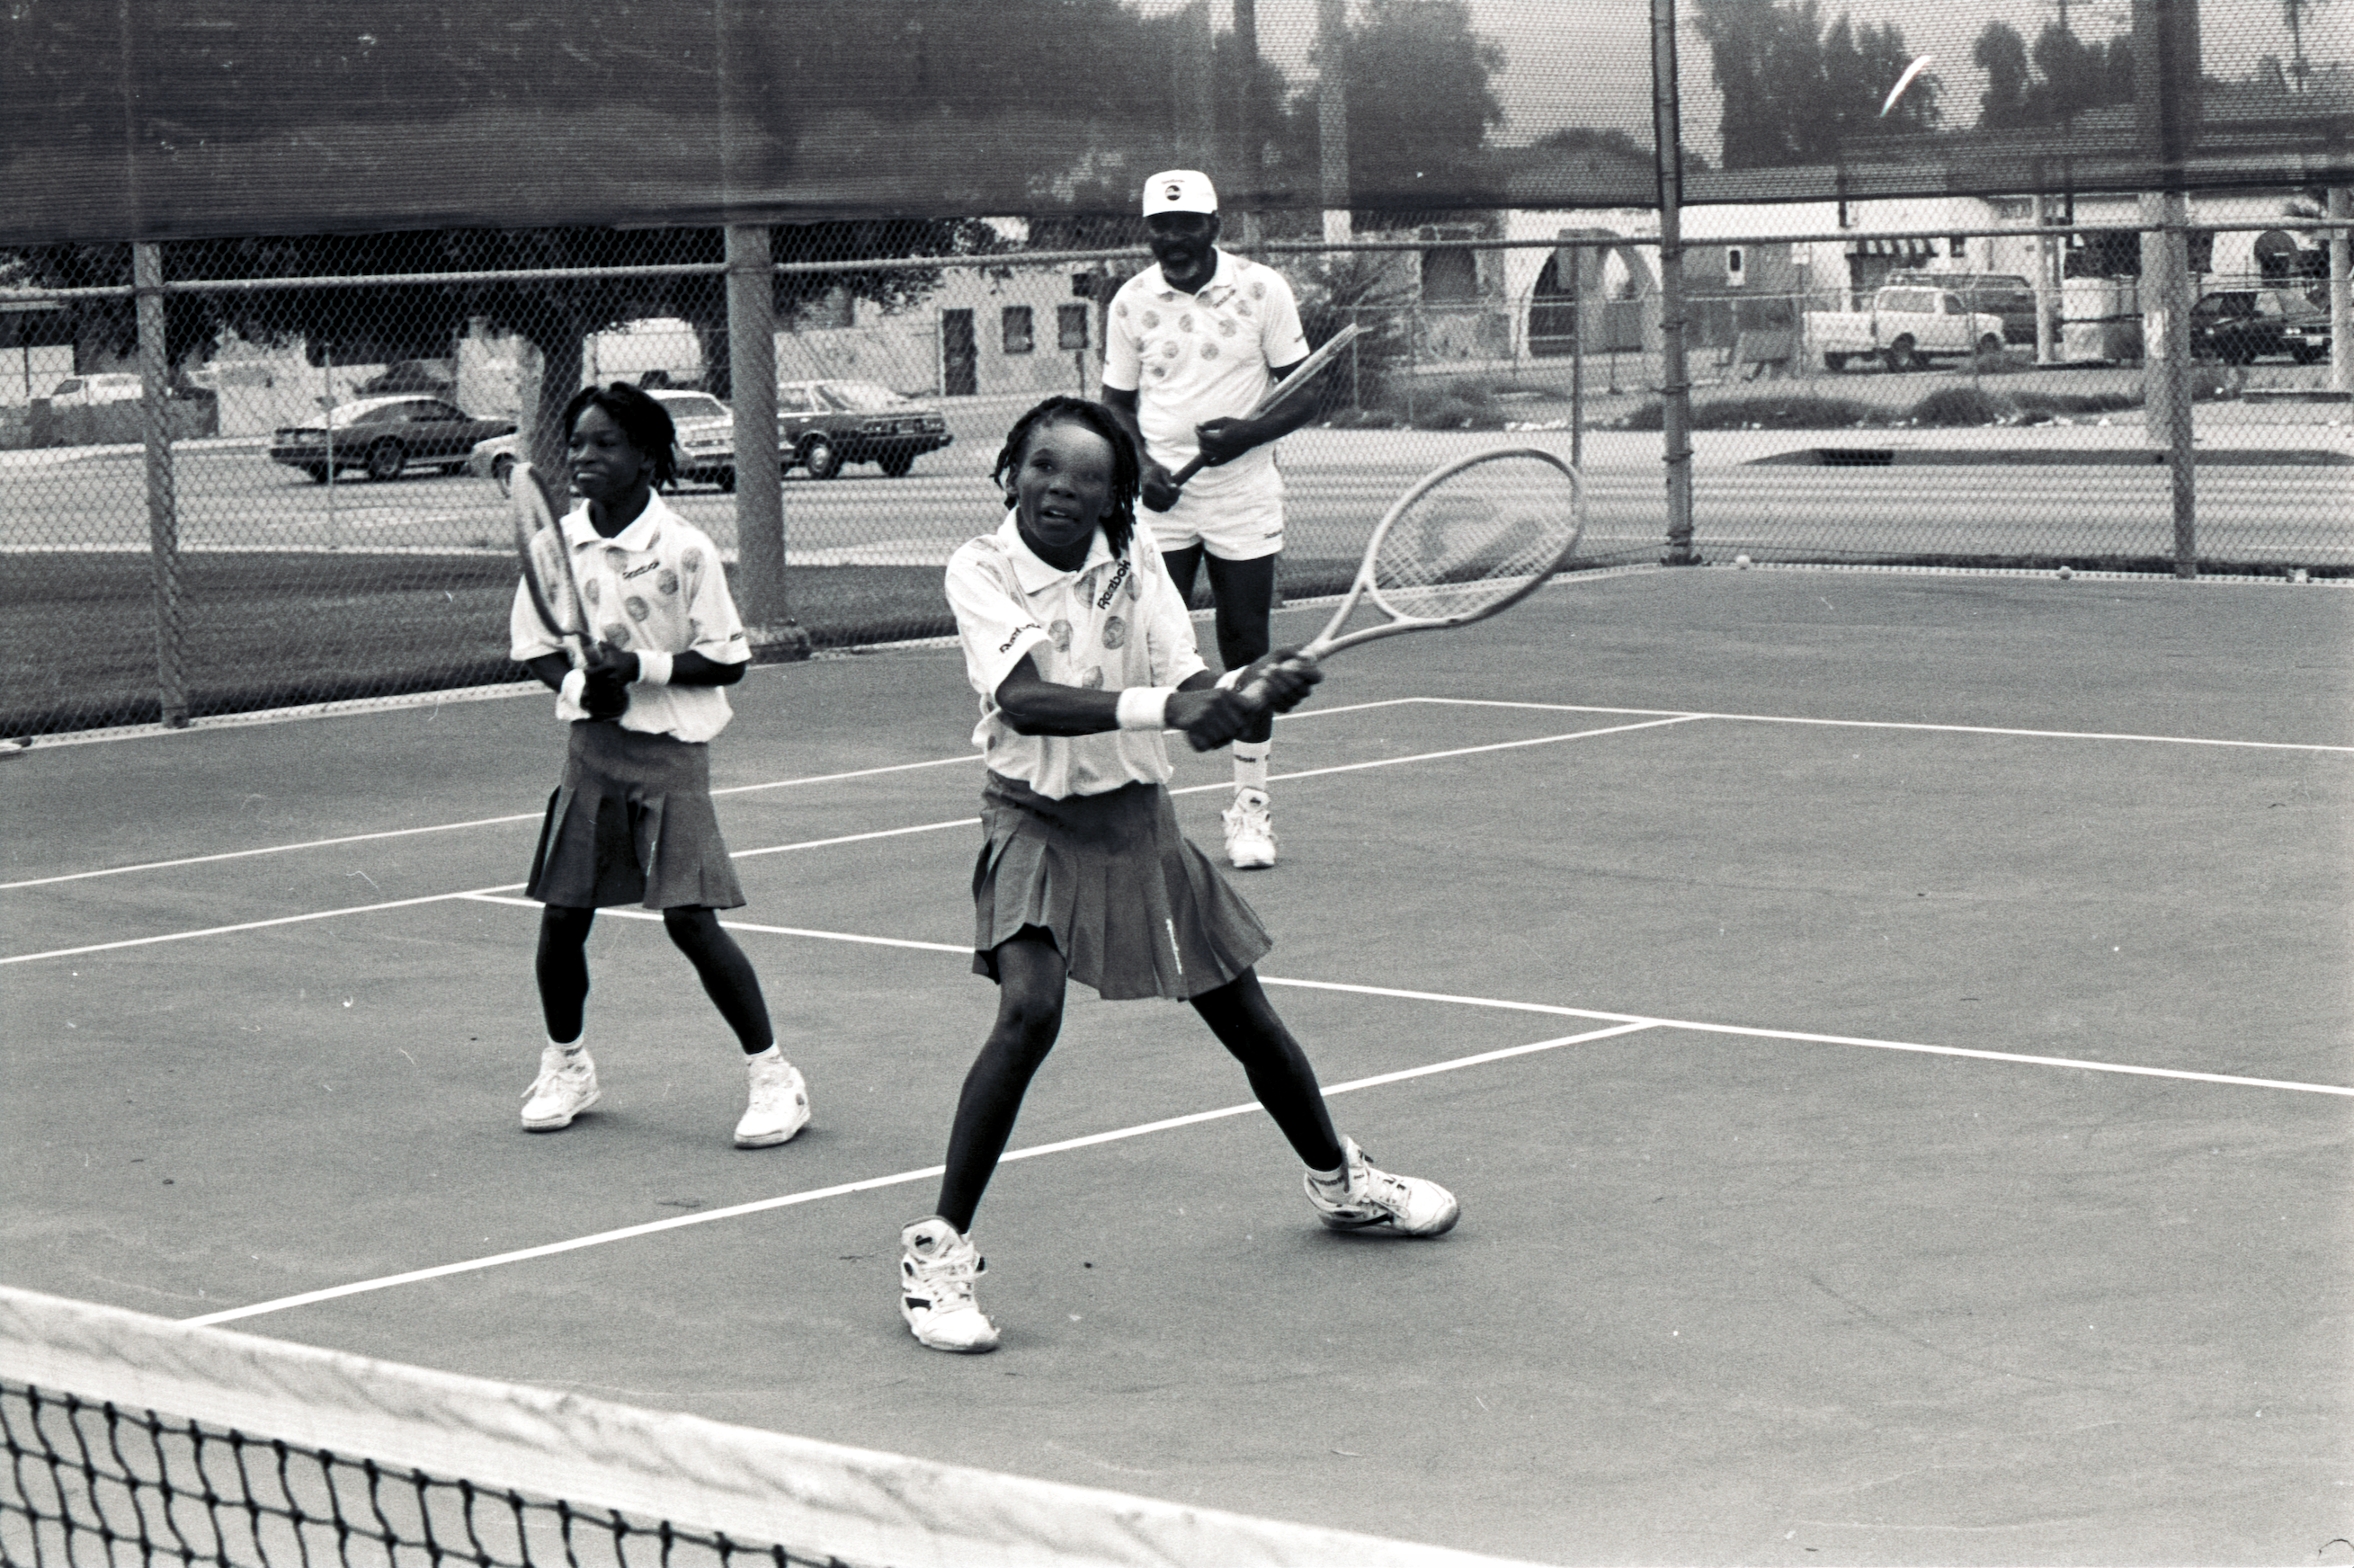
<point>1082,653</point>
<point>632,821</point>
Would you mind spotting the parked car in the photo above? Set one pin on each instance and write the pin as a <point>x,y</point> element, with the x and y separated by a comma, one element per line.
<point>706,442</point>
<point>2004,294</point>
<point>2236,326</point>
<point>108,386</point>
<point>1907,326</point>
<point>386,437</point>
<point>828,423</point>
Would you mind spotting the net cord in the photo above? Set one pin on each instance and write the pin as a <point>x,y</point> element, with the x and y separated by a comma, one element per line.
<point>858,1504</point>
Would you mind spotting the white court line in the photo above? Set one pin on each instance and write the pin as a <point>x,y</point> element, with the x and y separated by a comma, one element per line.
<point>1885,723</point>
<point>450,827</point>
<point>1627,1020</point>
<point>535,816</point>
<point>1663,715</point>
<point>802,844</point>
<point>898,1179</point>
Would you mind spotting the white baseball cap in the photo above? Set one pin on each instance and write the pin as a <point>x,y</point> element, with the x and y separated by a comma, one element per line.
<point>1180,190</point>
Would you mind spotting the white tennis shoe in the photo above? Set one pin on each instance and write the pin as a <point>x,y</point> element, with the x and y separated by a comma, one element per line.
<point>1250,831</point>
<point>1368,1198</point>
<point>565,1086</point>
<point>937,1269</point>
<point>779,1104</point>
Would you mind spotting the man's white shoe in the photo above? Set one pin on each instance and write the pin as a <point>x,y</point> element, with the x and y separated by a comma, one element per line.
<point>779,1104</point>
<point>1368,1198</point>
<point>937,1268</point>
<point>1250,831</point>
<point>565,1086</point>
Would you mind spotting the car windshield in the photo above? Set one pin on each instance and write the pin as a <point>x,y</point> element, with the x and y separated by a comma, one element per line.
<point>860,394</point>
<point>702,406</point>
<point>353,413</point>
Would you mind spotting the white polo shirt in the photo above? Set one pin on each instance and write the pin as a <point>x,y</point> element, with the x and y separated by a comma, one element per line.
<point>1191,358</point>
<point>1115,623</point>
<point>658,584</point>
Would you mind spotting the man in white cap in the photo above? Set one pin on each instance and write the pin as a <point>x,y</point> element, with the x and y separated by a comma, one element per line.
<point>1192,342</point>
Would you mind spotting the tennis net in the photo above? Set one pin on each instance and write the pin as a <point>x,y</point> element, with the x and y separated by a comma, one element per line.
<point>131,1440</point>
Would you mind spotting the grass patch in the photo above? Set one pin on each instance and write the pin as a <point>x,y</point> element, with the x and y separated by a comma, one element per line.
<point>78,645</point>
<point>1947,408</point>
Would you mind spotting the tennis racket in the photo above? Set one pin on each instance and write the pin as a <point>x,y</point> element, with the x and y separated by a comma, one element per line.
<point>1284,390</point>
<point>1465,542</point>
<point>548,575</point>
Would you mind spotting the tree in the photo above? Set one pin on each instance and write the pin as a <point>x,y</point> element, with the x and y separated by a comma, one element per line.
<point>1795,90</point>
<point>2060,76</point>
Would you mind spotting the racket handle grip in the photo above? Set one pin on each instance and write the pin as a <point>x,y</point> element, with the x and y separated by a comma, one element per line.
<point>1254,694</point>
<point>1188,472</point>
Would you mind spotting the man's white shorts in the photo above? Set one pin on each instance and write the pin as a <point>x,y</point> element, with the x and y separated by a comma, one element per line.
<point>1233,527</point>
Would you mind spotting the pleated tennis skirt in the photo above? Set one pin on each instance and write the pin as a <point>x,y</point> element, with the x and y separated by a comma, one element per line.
<point>1135,909</point>
<point>632,823</point>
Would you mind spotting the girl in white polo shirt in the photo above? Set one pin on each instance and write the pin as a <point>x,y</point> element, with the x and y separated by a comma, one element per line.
<point>633,822</point>
<point>1082,653</point>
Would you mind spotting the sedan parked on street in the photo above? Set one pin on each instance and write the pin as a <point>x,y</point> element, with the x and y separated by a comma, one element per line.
<point>386,437</point>
<point>706,451</point>
<point>828,423</point>
<point>2236,326</point>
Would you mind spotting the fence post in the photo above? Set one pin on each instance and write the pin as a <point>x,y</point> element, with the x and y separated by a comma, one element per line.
<point>760,494</point>
<point>163,510</point>
<point>2165,360</point>
<point>1577,359</point>
<point>2341,291</point>
<point>1675,380</point>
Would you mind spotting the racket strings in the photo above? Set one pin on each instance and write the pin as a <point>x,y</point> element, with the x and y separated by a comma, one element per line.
<point>1475,538</point>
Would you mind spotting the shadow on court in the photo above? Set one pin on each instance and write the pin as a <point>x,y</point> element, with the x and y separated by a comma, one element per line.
<point>1942,1159</point>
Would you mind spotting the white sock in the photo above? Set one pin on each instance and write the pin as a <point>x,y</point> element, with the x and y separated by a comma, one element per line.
<point>774,1053</point>
<point>570,1048</point>
<point>1250,764</point>
<point>1332,1178</point>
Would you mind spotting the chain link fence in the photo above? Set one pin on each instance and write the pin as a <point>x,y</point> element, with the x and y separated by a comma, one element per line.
<point>315,510</point>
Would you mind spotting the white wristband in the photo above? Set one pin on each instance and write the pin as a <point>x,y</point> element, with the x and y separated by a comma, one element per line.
<point>1232,678</point>
<point>576,686</point>
<point>1145,707</point>
<point>654,669</point>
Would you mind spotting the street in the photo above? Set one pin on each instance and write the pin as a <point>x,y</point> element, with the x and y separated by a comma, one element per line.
<point>233,498</point>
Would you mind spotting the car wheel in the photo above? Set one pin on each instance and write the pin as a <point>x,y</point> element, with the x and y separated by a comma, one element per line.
<point>1901,355</point>
<point>820,456</point>
<point>386,459</point>
<point>2311,355</point>
<point>896,464</point>
<point>725,480</point>
<point>1990,346</point>
<point>1834,362</point>
<point>502,474</point>
<point>317,470</point>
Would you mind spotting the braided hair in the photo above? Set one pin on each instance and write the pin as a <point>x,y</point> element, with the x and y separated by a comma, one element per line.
<point>1127,474</point>
<point>643,419</point>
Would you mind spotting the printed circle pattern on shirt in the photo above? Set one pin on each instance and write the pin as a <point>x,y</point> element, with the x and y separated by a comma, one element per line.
<point>1191,358</point>
<point>1115,623</point>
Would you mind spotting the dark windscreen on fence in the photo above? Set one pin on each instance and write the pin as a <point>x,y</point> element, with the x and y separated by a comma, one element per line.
<point>179,119</point>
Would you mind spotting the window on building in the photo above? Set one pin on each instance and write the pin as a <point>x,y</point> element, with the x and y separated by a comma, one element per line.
<point>1017,328</point>
<point>1071,326</point>
<point>1449,278</point>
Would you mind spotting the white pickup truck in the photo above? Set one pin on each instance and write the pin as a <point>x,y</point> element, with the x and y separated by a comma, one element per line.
<point>1907,326</point>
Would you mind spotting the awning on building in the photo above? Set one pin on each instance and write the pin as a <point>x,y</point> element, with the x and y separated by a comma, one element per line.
<point>1902,249</point>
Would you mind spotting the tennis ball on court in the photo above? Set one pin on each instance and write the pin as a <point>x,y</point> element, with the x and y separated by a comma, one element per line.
<point>1742,562</point>
<point>2065,574</point>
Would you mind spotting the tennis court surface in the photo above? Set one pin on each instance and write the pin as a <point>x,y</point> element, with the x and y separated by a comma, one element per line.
<point>1892,1036</point>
